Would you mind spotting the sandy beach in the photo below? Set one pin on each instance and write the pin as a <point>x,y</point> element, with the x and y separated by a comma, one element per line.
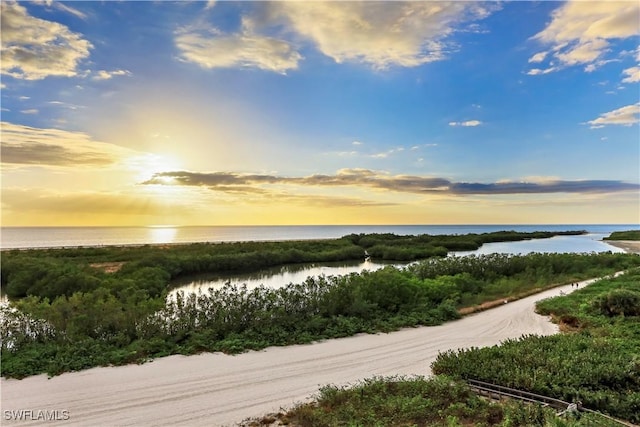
<point>631,246</point>
<point>217,390</point>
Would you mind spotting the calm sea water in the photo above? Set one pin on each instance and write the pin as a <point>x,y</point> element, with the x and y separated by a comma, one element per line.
<point>40,237</point>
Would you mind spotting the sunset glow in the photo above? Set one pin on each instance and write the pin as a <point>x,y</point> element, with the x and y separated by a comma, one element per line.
<point>239,113</point>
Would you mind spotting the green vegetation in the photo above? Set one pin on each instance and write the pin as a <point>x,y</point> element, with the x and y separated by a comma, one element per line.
<point>399,402</point>
<point>598,362</point>
<point>624,235</point>
<point>49,273</point>
<point>123,322</point>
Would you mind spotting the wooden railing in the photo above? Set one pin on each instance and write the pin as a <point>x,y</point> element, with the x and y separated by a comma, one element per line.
<point>498,392</point>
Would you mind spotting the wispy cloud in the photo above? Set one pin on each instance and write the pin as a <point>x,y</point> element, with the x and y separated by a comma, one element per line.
<point>30,111</point>
<point>34,48</point>
<point>632,75</point>
<point>625,116</point>
<point>538,71</point>
<point>580,33</point>
<point>106,75</point>
<point>538,57</point>
<point>385,154</point>
<point>24,145</point>
<point>62,7</point>
<point>468,123</point>
<point>365,178</point>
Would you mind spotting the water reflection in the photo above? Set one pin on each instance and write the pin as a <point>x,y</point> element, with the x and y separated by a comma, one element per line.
<point>586,243</point>
<point>281,276</point>
<point>162,234</point>
<point>277,277</point>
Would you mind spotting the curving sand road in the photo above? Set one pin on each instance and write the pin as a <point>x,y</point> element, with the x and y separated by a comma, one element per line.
<point>216,389</point>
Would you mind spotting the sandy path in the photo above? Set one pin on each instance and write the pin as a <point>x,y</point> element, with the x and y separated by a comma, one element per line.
<point>216,389</point>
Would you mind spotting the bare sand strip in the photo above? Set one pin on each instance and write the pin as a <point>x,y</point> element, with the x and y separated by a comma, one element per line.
<point>631,246</point>
<point>215,389</point>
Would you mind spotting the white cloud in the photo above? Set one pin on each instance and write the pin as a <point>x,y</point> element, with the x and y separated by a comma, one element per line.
<point>210,4</point>
<point>468,123</point>
<point>34,48</point>
<point>30,111</point>
<point>538,57</point>
<point>599,63</point>
<point>106,75</point>
<point>71,10</point>
<point>381,34</point>
<point>633,75</point>
<point>538,71</point>
<point>210,48</point>
<point>580,32</point>
<point>625,116</point>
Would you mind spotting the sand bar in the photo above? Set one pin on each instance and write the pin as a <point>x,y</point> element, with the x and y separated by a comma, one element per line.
<point>631,246</point>
<point>214,389</point>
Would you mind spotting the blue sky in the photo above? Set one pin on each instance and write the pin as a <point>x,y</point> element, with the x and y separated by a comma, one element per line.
<point>146,113</point>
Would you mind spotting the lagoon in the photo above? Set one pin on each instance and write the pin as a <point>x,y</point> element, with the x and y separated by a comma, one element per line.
<point>281,276</point>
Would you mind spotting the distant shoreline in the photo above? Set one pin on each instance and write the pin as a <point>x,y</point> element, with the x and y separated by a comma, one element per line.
<point>54,237</point>
<point>631,246</point>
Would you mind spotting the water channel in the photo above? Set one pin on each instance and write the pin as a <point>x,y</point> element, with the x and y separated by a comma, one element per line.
<point>281,276</point>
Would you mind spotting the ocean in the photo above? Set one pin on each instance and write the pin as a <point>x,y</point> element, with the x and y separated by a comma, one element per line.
<point>52,237</point>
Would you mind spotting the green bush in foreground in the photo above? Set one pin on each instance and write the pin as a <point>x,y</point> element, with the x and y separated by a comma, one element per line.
<point>599,364</point>
<point>127,324</point>
<point>399,402</point>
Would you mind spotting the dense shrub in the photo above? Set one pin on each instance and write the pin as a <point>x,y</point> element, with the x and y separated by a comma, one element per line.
<point>598,365</point>
<point>69,305</point>
<point>619,302</point>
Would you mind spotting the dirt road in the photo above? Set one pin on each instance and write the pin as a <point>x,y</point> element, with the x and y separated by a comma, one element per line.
<point>216,389</point>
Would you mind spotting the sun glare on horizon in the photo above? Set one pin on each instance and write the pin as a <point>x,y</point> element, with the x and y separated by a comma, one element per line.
<point>148,165</point>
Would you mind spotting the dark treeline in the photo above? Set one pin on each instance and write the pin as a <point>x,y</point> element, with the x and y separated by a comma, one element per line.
<point>50,273</point>
<point>128,324</point>
<point>624,235</point>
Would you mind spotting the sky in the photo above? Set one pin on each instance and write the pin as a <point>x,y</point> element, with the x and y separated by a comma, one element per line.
<point>292,113</point>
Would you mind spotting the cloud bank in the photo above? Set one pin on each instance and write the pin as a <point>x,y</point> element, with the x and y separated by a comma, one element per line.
<point>25,145</point>
<point>233,182</point>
